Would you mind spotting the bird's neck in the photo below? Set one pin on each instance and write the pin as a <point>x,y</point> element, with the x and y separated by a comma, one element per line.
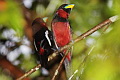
<point>57,18</point>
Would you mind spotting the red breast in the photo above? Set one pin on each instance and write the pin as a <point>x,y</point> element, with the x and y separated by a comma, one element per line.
<point>62,33</point>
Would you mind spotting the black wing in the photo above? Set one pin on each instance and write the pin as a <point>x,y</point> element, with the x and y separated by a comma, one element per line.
<point>44,44</point>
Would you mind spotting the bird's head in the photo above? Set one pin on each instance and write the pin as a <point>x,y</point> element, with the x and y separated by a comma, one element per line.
<point>38,21</point>
<point>37,24</point>
<point>64,10</point>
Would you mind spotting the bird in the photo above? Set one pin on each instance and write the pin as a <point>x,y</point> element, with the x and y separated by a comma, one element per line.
<point>43,41</point>
<point>61,27</point>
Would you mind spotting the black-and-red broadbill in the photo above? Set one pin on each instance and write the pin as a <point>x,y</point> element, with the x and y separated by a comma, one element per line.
<point>43,41</point>
<point>61,27</point>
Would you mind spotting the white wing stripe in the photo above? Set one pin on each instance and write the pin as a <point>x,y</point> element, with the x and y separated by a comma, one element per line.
<point>56,44</point>
<point>46,35</point>
<point>35,46</point>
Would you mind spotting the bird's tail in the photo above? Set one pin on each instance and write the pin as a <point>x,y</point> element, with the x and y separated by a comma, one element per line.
<point>68,68</point>
<point>67,63</point>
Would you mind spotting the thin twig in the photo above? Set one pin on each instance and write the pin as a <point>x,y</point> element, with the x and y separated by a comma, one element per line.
<point>79,38</point>
<point>70,78</point>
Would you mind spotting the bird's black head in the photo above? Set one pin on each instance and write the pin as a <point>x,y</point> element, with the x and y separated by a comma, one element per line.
<point>64,10</point>
<point>66,7</point>
<point>37,24</point>
<point>38,21</point>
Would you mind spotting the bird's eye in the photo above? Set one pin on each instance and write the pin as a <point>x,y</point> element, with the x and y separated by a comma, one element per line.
<point>68,10</point>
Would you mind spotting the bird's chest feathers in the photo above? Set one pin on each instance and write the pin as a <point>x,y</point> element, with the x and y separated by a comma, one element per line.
<point>62,33</point>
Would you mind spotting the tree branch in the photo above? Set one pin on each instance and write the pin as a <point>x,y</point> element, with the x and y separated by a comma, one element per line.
<point>29,72</point>
<point>79,38</point>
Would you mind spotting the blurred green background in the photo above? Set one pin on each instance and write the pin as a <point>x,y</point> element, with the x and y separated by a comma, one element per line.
<point>16,49</point>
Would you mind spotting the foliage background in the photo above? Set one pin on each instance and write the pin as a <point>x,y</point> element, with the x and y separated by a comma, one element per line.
<point>103,63</point>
